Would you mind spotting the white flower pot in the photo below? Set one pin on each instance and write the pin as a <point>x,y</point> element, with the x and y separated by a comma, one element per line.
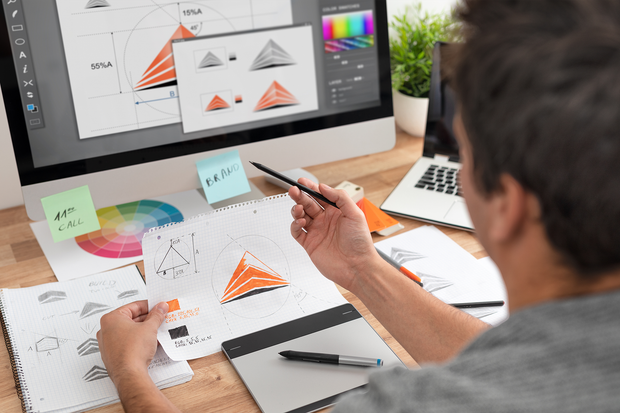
<point>410,113</point>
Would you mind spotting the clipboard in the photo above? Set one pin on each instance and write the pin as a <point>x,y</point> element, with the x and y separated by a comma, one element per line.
<point>280,385</point>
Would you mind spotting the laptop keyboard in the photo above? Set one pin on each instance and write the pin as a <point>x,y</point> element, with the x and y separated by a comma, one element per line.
<point>441,179</point>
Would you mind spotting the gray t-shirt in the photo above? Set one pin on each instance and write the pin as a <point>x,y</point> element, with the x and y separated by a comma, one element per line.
<point>561,356</point>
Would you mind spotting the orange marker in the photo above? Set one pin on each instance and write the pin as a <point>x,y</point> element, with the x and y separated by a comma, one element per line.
<point>400,268</point>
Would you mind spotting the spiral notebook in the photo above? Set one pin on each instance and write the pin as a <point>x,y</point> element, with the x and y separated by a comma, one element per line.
<point>50,333</point>
<point>231,272</point>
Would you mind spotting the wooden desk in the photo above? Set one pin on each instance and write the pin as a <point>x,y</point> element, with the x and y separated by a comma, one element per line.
<point>216,386</point>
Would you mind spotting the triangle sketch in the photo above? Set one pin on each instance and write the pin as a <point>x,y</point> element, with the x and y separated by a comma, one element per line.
<point>93,308</point>
<point>210,60</point>
<point>96,3</point>
<point>275,96</point>
<point>51,296</point>
<point>127,294</point>
<point>171,260</point>
<point>90,346</point>
<point>433,283</point>
<point>272,55</point>
<point>161,71</point>
<point>95,373</point>
<point>217,103</point>
<point>402,256</point>
<point>251,277</point>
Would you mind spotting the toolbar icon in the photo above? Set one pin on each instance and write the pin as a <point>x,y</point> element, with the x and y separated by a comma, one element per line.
<point>28,83</point>
<point>17,28</point>
<point>30,95</point>
<point>32,108</point>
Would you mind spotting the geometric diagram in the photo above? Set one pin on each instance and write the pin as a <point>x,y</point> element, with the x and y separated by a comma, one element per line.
<point>178,332</point>
<point>238,274</point>
<point>232,56</point>
<point>210,60</point>
<point>252,276</point>
<point>354,43</point>
<point>217,103</point>
<point>172,264</point>
<point>47,344</point>
<point>96,3</point>
<point>339,26</point>
<point>238,98</point>
<point>96,373</point>
<point>272,55</point>
<point>276,96</point>
<point>123,226</point>
<point>92,309</point>
<point>127,294</point>
<point>162,67</point>
<point>402,256</point>
<point>90,346</point>
<point>433,283</point>
<point>51,296</point>
<point>161,72</point>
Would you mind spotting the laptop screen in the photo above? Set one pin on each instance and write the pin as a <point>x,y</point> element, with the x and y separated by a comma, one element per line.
<point>439,137</point>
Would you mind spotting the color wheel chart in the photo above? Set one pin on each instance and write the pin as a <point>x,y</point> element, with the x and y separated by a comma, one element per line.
<point>122,228</point>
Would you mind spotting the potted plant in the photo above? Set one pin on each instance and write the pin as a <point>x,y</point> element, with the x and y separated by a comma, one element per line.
<point>412,37</point>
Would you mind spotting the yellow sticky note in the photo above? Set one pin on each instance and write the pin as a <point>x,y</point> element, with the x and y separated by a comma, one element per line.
<point>70,213</point>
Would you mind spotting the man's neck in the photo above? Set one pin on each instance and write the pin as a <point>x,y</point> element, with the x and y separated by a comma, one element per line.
<point>534,273</point>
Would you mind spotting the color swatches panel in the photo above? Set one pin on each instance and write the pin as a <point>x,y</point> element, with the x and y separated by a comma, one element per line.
<point>340,26</point>
<point>353,43</point>
<point>122,228</point>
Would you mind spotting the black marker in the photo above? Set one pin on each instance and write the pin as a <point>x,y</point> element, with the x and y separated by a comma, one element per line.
<point>331,358</point>
<point>293,183</point>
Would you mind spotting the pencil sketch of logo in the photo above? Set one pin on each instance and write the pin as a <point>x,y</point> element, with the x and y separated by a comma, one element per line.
<point>401,256</point>
<point>433,283</point>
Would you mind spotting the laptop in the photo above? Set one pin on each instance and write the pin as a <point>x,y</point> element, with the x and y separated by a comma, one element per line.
<point>430,191</point>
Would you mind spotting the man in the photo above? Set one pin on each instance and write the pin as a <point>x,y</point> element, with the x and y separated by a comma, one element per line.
<point>538,83</point>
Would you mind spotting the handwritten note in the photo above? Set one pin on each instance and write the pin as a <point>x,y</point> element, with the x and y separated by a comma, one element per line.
<point>222,176</point>
<point>70,213</point>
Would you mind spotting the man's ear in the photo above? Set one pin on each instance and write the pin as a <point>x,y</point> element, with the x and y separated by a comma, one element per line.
<point>511,207</point>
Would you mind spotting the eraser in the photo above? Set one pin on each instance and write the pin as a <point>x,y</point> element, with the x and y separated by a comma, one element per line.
<point>356,192</point>
<point>391,230</point>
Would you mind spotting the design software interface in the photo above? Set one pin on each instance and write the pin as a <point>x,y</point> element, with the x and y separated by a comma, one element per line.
<point>110,76</point>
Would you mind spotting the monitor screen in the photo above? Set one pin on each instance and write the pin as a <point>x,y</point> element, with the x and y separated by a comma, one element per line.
<point>95,85</point>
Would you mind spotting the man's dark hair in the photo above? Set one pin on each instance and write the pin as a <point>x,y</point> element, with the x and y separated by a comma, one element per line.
<point>538,83</point>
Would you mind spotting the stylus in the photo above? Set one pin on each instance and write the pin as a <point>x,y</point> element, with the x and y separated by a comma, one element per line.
<point>293,183</point>
<point>331,358</point>
<point>400,268</point>
<point>479,304</point>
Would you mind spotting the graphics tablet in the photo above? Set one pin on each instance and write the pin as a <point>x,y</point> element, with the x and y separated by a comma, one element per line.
<point>281,385</point>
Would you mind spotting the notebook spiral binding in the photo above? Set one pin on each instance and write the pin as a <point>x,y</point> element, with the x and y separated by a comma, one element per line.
<point>16,365</point>
<point>226,208</point>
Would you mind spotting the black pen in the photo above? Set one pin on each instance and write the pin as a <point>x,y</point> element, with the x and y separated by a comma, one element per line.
<point>293,183</point>
<point>479,304</point>
<point>331,358</point>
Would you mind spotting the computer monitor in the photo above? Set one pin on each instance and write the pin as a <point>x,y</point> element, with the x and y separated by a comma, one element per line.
<point>126,95</point>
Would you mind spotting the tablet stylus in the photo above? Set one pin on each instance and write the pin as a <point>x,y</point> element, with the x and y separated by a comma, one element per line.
<point>331,358</point>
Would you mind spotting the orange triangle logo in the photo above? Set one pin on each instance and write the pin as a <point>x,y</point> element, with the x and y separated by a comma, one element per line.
<point>275,96</point>
<point>217,103</point>
<point>162,67</point>
<point>251,277</point>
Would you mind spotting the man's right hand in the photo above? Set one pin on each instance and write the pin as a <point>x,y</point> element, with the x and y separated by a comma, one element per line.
<point>337,240</point>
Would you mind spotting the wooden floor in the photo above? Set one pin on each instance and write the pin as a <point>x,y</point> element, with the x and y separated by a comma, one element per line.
<point>215,386</point>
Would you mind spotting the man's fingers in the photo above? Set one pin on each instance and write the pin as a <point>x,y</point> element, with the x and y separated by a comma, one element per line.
<point>311,208</point>
<point>157,315</point>
<point>135,309</point>
<point>297,231</point>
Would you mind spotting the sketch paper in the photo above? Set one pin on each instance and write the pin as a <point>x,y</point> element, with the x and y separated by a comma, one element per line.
<point>231,272</point>
<point>69,261</point>
<point>494,287</point>
<point>447,271</point>
<point>53,330</point>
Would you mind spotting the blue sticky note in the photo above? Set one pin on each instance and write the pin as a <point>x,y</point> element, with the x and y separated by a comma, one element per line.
<point>223,176</point>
